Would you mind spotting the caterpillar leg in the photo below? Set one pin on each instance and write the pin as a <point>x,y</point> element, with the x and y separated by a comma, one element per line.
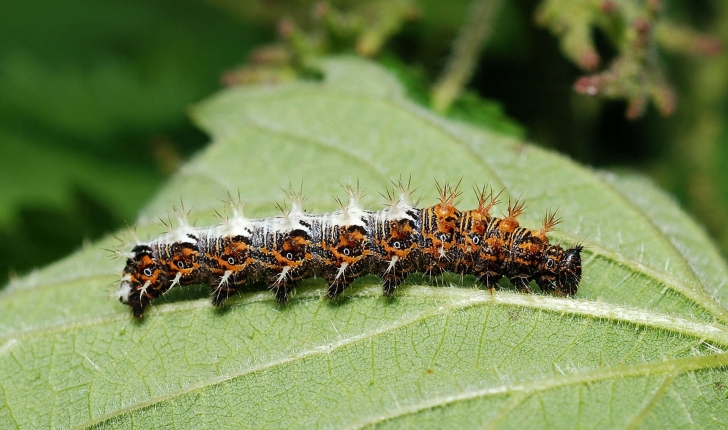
<point>546,286</point>
<point>521,285</point>
<point>337,287</point>
<point>490,280</point>
<point>137,308</point>
<point>390,284</point>
<point>222,293</point>
<point>283,292</point>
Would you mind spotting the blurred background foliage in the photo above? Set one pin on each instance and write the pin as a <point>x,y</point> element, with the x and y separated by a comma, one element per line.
<point>93,95</point>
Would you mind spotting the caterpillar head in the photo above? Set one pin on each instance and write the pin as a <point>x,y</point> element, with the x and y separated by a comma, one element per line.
<point>142,276</point>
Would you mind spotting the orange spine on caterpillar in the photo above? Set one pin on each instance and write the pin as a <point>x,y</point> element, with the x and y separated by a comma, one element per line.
<point>341,246</point>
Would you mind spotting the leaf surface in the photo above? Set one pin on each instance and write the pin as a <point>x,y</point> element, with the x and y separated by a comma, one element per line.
<point>641,344</point>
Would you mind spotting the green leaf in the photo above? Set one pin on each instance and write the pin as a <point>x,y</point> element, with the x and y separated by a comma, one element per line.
<point>642,344</point>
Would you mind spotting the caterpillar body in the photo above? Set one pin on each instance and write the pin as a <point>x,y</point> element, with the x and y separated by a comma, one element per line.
<point>342,246</point>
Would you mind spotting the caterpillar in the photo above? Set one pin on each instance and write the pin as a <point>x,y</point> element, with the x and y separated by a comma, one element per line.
<point>351,242</point>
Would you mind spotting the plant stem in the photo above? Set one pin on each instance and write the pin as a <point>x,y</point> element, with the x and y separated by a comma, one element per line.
<point>466,49</point>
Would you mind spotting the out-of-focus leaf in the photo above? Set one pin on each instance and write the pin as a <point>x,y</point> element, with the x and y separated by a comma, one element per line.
<point>93,97</point>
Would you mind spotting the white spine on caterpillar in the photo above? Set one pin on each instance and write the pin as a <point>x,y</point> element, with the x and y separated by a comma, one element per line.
<point>281,276</point>
<point>184,233</point>
<point>399,209</point>
<point>341,270</point>
<point>238,225</point>
<point>224,279</point>
<point>392,263</point>
<point>176,280</point>
<point>292,220</point>
<point>353,213</point>
<point>184,230</point>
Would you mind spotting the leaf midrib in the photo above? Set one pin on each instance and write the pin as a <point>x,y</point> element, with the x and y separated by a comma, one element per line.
<point>456,298</point>
<point>640,317</point>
